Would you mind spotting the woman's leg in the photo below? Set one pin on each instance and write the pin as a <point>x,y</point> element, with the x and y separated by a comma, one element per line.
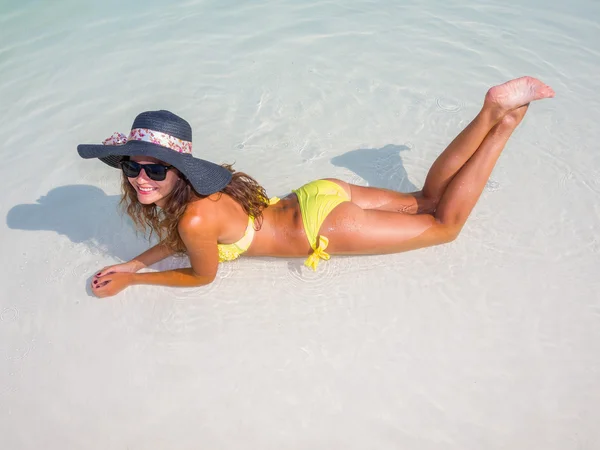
<point>354,230</point>
<point>465,188</point>
<point>449,162</point>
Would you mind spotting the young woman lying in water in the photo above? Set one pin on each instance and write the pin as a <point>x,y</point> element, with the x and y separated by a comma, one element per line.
<point>214,214</point>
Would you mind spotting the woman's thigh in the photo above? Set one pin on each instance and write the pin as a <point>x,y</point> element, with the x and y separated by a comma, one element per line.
<point>352,230</point>
<point>367,197</point>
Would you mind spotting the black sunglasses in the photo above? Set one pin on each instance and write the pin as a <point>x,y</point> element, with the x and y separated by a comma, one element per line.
<point>156,172</point>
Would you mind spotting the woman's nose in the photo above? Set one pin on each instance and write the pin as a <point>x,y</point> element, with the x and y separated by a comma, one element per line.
<point>142,175</point>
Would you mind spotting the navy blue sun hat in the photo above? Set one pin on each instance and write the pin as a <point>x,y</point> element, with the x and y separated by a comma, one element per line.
<point>165,136</point>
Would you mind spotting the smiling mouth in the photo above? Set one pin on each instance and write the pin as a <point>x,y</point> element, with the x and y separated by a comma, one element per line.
<point>145,190</point>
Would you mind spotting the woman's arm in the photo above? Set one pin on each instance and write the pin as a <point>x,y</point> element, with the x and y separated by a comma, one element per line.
<point>152,256</point>
<point>114,282</point>
<point>176,278</point>
<point>200,237</point>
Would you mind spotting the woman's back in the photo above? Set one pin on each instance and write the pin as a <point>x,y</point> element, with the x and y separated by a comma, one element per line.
<point>279,230</point>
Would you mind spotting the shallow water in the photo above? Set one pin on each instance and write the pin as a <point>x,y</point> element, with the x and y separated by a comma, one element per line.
<point>489,342</point>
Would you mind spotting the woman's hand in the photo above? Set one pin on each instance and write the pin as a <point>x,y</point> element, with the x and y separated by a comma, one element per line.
<point>111,284</point>
<point>113,279</point>
<point>129,267</point>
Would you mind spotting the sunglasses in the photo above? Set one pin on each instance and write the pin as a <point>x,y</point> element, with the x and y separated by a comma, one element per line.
<point>156,172</point>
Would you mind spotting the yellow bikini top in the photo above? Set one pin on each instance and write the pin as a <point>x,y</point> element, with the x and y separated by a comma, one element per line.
<point>229,252</point>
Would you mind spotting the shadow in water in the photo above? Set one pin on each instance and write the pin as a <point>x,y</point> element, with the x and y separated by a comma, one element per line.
<point>379,167</point>
<point>85,214</point>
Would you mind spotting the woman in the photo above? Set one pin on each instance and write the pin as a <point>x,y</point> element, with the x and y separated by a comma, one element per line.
<point>214,214</point>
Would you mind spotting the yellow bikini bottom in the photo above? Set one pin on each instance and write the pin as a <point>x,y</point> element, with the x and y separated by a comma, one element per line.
<point>316,199</point>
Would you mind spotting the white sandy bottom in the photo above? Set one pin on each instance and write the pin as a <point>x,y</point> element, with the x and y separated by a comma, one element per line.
<point>489,342</point>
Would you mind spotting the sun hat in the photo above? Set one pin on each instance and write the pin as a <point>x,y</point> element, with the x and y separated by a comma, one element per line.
<point>165,136</point>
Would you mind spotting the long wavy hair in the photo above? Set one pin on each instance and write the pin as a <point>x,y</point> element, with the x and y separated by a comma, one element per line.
<point>162,222</point>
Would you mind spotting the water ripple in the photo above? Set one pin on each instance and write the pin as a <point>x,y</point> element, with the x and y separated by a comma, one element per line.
<point>225,270</point>
<point>303,279</point>
<point>9,314</point>
<point>449,104</point>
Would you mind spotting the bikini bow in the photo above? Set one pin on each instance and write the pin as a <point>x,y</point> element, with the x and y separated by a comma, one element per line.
<point>318,253</point>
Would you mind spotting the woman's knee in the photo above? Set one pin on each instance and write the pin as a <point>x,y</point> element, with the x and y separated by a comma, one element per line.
<point>448,232</point>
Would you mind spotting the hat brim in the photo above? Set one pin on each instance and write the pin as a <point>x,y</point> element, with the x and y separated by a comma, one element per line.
<point>206,177</point>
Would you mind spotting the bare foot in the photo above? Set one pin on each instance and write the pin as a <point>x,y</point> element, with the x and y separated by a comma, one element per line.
<point>518,92</point>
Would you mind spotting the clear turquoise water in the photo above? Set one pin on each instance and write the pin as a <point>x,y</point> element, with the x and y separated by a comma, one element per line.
<point>490,342</point>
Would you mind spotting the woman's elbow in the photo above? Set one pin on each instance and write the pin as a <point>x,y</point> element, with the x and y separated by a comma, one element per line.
<point>203,279</point>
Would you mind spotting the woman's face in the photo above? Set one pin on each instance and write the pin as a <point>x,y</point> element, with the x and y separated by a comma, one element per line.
<point>150,191</point>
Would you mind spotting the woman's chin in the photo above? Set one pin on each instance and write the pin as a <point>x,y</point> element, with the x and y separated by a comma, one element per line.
<point>145,199</point>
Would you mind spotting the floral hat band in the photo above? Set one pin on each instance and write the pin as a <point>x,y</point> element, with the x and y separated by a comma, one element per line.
<point>152,136</point>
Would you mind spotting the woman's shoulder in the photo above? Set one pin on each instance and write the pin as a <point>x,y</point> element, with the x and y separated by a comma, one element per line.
<point>207,211</point>
<point>198,212</point>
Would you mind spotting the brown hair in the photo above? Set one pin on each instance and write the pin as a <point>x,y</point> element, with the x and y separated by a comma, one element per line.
<point>163,221</point>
